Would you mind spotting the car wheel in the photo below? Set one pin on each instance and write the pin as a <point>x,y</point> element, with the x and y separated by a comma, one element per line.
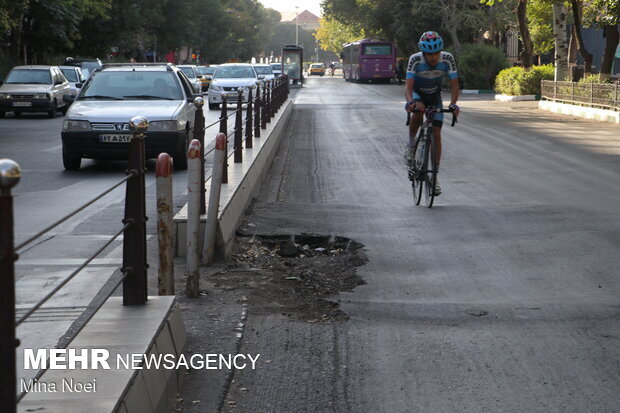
<point>214,106</point>
<point>52,113</point>
<point>180,158</point>
<point>65,109</point>
<point>71,163</point>
<point>2,114</point>
<point>17,114</point>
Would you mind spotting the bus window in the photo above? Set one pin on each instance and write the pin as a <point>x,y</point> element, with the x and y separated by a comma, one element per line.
<point>377,49</point>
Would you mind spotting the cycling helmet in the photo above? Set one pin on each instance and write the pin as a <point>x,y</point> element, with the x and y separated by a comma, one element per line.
<point>431,42</point>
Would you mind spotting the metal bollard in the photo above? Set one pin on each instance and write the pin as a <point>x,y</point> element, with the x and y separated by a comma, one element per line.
<point>224,130</point>
<point>257,112</point>
<point>239,128</point>
<point>268,90</point>
<point>248,121</point>
<point>208,246</point>
<point>10,174</point>
<point>134,236</point>
<point>199,133</point>
<point>163,173</point>
<point>193,219</point>
<point>263,105</point>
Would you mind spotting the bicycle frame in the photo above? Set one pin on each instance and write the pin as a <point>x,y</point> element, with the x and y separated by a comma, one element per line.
<point>419,171</point>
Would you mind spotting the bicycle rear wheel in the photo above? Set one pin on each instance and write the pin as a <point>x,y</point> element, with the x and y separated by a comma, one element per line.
<point>415,175</point>
<point>430,172</point>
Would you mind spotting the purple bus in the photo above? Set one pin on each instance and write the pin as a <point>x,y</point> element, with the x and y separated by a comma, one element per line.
<point>369,59</point>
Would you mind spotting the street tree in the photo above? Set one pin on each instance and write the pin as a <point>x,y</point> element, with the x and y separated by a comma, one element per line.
<point>332,34</point>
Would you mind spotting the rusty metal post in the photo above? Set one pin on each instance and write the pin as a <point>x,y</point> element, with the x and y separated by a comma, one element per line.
<point>199,134</point>
<point>257,112</point>
<point>239,128</point>
<point>224,130</point>
<point>208,246</point>
<point>193,219</point>
<point>10,173</point>
<point>134,236</point>
<point>248,121</point>
<point>163,173</point>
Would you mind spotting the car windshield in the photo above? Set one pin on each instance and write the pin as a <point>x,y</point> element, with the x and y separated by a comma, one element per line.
<point>205,70</point>
<point>316,66</point>
<point>263,70</point>
<point>234,72</point>
<point>189,72</point>
<point>71,75</point>
<point>122,85</point>
<point>276,67</point>
<point>29,76</point>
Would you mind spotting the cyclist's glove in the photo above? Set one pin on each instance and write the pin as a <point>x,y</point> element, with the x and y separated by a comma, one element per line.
<point>454,107</point>
<point>410,105</point>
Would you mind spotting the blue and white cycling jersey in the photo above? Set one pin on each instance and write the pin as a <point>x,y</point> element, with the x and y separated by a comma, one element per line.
<point>427,78</point>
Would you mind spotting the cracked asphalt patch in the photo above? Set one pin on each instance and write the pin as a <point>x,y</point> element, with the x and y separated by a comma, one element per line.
<point>296,276</point>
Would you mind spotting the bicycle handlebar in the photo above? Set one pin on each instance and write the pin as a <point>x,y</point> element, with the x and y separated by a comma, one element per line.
<point>433,110</point>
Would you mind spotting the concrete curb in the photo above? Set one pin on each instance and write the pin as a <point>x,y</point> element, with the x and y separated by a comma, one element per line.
<point>154,328</point>
<point>580,111</point>
<point>476,91</point>
<point>509,98</point>
<point>244,182</point>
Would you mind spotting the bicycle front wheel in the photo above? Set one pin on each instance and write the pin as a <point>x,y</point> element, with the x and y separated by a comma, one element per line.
<point>430,173</point>
<point>415,175</point>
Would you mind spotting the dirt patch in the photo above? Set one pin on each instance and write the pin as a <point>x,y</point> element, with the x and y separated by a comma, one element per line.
<point>293,276</point>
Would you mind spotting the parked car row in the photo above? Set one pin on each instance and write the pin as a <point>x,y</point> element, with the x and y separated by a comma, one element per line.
<point>98,101</point>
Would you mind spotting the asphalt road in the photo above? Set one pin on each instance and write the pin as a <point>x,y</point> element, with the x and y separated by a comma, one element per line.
<point>502,297</point>
<point>45,194</point>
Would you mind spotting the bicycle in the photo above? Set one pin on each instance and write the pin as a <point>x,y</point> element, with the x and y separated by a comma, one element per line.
<point>423,173</point>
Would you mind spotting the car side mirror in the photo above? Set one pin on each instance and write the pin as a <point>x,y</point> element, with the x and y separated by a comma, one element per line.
<point>68,98</point>
<point>199,76</point>
<point>261,76</point>
<point>78,85</point>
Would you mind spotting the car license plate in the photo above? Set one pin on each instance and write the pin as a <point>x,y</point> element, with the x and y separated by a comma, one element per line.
<point>124,138</point>
<point>22,103</point>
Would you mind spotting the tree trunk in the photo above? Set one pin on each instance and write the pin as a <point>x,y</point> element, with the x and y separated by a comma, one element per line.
<point>455,39</point>
<point>526,53</point>
<point>587,56</point>
<point>561,46</point>
<point>612,37</point>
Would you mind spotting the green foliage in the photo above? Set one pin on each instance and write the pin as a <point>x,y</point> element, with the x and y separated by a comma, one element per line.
<point>540,19</point>
<point>478,65</point>
<point>594,78</point>
<point>332,34</point>
<point>516,81</point>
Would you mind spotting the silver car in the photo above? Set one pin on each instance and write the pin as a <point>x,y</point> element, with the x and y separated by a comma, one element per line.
<point>264,72</point>
<point>97,124</point>
<point>227,79</point>
<point>34,89</point>
<point>192,75</point>
<point>74,76</point>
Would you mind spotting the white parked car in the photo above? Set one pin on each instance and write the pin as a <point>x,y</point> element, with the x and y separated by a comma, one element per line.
<point>74,76</point>
<point>97,123</point>
<point>192,75</point>
<point>227,79</point>
<point>264,72</point>
<point>34,88</point>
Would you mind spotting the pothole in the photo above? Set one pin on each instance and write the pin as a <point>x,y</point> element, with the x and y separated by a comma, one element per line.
<point>297,276</point>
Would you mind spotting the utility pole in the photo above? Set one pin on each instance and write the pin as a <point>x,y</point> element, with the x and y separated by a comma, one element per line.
<point>296,24</point>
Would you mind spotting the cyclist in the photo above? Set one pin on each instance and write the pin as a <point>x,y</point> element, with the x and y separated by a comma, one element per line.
<point>425,71</point>
<point>331,69</point>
